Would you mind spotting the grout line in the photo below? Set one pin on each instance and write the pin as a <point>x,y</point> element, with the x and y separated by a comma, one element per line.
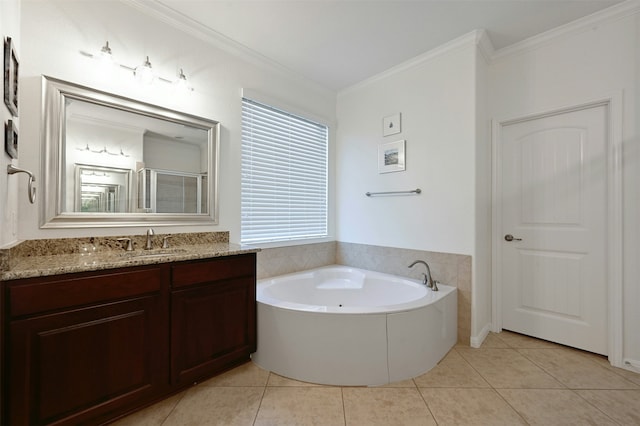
<point>264,391</point>
<point>491,385</point>
<point>344,410</point>
<point>585,400</point>
<point>182,394</point>
<point>564,385</point>
<point>474,369</point>
<point>433,416</point>
<point>511,406</point>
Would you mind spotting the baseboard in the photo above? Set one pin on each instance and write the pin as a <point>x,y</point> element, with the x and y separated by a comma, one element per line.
<point>632,365</point>
<point>476,341</point>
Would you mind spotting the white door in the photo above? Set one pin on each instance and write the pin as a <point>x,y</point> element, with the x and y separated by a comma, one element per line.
<point>554,204</point>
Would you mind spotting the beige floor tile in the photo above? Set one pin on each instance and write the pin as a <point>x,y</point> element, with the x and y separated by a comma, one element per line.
<point>632,376</point>
<point>301,406</point>
<point>452,372</point>
<point>248,374</point>
<point>385,406</point>
<point>554,407</point>
<point>151,416</point>
<point>401,384</point>
<point>629,375</point>
<point>209,405</point>
<point>470,407</point>
<point>493,341</point>
<point>506,368</point>
<point>575,370</point>
<point>520,341</point>
<point>277,380</point>
<point>621,405</point>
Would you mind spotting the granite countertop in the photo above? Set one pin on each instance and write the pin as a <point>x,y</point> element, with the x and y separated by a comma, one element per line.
<point>39,258</point>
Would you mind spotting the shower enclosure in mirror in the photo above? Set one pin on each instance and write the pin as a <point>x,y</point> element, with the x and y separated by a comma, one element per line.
<point>113,161</point>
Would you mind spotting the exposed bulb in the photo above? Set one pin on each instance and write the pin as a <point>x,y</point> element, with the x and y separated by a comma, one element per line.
<point>144,73</point>
<point>181,84</point>
<point>105,53</point>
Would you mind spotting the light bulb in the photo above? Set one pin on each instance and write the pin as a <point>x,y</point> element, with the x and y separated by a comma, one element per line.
<point>105,54</point>
<point>144,73</point>
<point>181,84</point>
<point>106,63</point>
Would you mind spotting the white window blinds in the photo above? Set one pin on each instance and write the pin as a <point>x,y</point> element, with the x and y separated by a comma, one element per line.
<point>284,175</point>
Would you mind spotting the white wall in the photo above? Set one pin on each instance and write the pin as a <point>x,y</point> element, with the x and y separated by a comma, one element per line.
<point>442,97</point>
<point>167,154</point>
<point>9,27</point>
<point>53,33</point>
<point>482,259</point>
<point>577,67</point>
<point>436,99</point>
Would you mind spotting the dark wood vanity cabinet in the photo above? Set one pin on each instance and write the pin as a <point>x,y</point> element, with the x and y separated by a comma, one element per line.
<point>213,316</point>
<point>88,347</point>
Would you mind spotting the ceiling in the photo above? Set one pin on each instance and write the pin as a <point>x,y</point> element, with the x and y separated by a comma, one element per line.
<point>340,43</point>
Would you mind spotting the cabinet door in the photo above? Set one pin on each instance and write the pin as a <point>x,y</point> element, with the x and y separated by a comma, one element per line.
<point>213,328</point>
<point>86,364</point>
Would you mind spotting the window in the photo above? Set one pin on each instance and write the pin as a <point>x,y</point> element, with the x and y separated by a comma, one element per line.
<point>284,175</point>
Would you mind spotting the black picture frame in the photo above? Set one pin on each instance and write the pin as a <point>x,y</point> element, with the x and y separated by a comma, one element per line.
<point>11,139</point>
<point>11,65</point>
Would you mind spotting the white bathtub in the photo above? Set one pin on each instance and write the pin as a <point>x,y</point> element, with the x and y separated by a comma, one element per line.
<point>344,326</point>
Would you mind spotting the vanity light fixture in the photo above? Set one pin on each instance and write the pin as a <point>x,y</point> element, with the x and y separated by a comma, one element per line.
<point>181,83</point>
<point>106,56</point>
<point>143,73</point>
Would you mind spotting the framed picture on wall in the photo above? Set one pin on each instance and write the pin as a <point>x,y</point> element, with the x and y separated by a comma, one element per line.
<point>10,77</point>
<point>391,157</point>
<point>11,139</point>
<point>391,124</point>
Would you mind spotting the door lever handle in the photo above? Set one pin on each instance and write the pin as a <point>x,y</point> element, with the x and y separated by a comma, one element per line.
<point>510,237</point>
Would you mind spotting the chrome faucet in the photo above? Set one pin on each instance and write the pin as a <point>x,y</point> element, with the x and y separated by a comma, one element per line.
<point>150,234</point>
<point>426,278</point>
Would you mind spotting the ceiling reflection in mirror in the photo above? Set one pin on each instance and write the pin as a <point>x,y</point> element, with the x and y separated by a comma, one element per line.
<point>125,162</point>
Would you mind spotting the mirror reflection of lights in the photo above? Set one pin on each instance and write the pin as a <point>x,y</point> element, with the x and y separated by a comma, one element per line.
<point>103,150</point>
<point>93,173</point>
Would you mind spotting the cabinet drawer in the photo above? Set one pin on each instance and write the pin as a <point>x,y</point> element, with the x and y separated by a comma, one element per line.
<point>193,273</point>
<point>47,294</point>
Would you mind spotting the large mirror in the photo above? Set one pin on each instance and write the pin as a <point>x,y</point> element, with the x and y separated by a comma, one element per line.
<point>113,161</point>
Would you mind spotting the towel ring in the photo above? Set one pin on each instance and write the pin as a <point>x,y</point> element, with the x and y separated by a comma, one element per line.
<point>11,169</point>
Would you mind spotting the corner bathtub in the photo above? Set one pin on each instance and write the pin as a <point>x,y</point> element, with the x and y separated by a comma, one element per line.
<point>344,326</point>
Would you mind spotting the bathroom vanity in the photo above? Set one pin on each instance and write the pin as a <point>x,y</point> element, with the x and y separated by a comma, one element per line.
<point>87,347</point>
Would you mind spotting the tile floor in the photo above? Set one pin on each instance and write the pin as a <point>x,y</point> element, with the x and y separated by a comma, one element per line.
<point>511,380</point>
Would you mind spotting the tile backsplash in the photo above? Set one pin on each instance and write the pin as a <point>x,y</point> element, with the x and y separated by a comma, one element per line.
<point>285,260</point>
<point>451,269</point>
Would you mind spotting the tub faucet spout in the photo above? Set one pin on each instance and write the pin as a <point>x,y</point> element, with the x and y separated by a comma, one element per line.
<point>426,280</point>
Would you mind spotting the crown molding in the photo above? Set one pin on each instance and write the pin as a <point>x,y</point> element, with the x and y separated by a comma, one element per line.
<point>485,47</point>
<point>479,38</point>
<point>187,25</point>
<point>469,39</point>
<point>613,13</point>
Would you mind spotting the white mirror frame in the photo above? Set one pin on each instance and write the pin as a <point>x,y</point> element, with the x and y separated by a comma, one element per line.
<point>55,92</point>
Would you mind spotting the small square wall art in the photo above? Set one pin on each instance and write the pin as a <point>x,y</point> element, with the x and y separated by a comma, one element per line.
<point>391,125</point>
<point>391,157</point>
